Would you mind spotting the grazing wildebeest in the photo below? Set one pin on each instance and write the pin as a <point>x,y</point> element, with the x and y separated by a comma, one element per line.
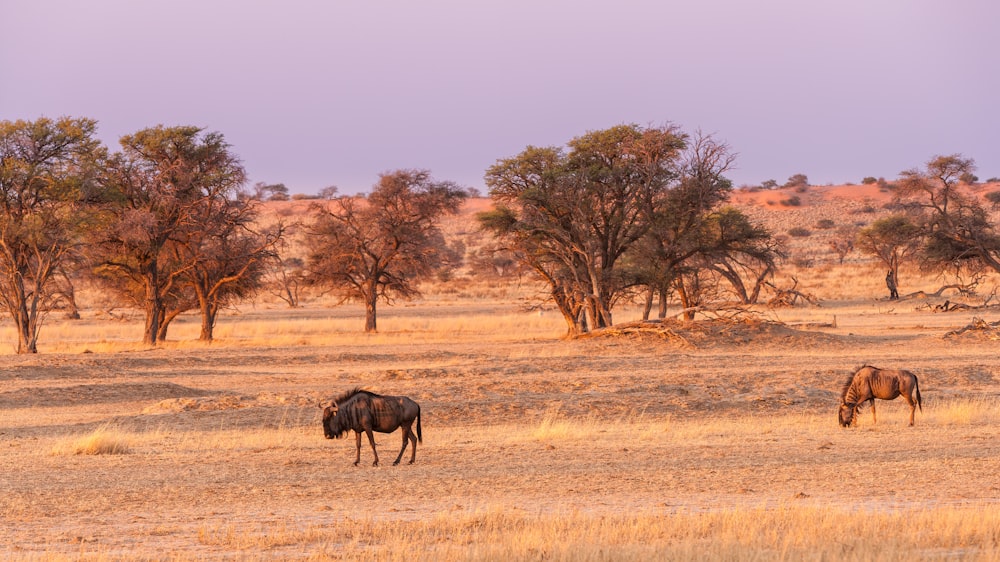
<point>869,383</point>
<point>365,411</point>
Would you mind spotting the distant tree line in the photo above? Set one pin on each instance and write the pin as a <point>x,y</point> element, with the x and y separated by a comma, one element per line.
<point>165,223</point>
<point>158,223</point>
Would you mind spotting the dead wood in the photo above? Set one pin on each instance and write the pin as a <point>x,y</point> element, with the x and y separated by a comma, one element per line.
<point>791,296</point>
<point>989,330</point>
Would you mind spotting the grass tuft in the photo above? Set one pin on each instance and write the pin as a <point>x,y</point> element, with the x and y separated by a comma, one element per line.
<point>105,440</point>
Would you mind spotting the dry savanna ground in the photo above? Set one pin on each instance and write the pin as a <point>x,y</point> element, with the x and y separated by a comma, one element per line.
<point>716,440</point>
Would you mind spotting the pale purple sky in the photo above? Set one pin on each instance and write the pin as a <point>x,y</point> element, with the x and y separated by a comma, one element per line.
<point>312,93</point>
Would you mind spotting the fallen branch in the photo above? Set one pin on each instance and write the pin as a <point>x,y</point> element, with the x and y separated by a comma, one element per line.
<point>990,329</point>
<point>790,297</point>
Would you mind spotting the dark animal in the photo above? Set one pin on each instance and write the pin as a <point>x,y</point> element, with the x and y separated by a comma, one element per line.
<point>869,383</point>
<point>366,412</point>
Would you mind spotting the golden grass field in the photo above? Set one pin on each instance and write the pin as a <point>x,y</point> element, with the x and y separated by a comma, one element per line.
<point>719,443</point>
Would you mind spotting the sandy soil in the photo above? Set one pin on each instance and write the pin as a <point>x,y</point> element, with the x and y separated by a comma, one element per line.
<point>657,417</point>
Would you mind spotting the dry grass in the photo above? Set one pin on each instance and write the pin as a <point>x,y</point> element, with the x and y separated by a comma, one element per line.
<point>535,447</point>
<point>105,440</point>
<point>977,410</point>
<point>782,533</point>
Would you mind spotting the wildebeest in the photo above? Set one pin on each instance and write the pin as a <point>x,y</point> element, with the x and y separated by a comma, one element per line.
<point>869,383</point>
<point>365,411</point>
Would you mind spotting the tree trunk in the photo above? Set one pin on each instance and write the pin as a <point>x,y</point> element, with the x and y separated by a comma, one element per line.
<point>648,307</point>
<point>153,305</point>
<point>686,302</point>
<point>166,318</point>
<point>208,323</point>
<point>662,313</point>
<point>371,300</point>
<point>26,339</point>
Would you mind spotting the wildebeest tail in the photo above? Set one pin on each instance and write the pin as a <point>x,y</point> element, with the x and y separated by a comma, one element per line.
<point>420,436</point>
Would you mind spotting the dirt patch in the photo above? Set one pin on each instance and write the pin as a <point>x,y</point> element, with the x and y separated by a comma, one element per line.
<point>228,402</point>
<point>62,396</point>
<point>716,333</point>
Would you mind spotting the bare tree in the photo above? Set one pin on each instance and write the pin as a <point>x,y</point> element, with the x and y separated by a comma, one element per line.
<point>379,247</point>
<point>691,236</point>
<point>228,257</point>
<point>286,275</point>
<point>45,194</point>
<point>842,242</point>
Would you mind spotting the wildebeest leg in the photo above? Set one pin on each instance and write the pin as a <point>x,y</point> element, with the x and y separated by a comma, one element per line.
<point>357,459</point>
<point>873,411</point>
<point>413,456</point>
<point>406,435</point>
<point>371,439</point>
<point>913,406</point>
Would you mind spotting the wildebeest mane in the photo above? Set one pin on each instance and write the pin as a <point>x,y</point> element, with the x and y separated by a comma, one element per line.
<point>351,393</point>
<point>850,380</point>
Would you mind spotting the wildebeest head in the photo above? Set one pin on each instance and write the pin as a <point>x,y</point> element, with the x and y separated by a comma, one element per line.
<point>332,428</point>
<point>846,414</point>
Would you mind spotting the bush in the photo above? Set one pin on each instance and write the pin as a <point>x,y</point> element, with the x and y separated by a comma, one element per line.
<point>799,232</point>
<point>869,180</point>
<point>969,178</point>
<point>825,224</point>
<point>792,201</point>
<point>993,197</point>
<point>798,181</point>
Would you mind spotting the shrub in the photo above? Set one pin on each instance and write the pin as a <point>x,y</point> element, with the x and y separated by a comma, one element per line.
<point>799,232</point>
<point>825,224</point>
<point>993,197</point>
<point>798,181</point>
<point>792,201</point>
<point>869,180</point>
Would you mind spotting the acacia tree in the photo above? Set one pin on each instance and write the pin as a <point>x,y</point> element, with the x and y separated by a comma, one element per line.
<point>227,257</point>
<point>957,227</point>
<point>681,235</point>
<point>892,240</point>
<point>626,207</point>
<point>45,189</point>
<point>379,247</point>
<point>163,179</point>
<point>573,216</point>
<point>745,254</point>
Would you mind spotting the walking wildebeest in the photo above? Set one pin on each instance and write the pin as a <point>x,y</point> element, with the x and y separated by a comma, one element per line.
<point>365,411</point>
<point>869,383</point>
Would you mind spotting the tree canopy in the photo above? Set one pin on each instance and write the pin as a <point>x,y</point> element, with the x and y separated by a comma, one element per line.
<point>171,186</point>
